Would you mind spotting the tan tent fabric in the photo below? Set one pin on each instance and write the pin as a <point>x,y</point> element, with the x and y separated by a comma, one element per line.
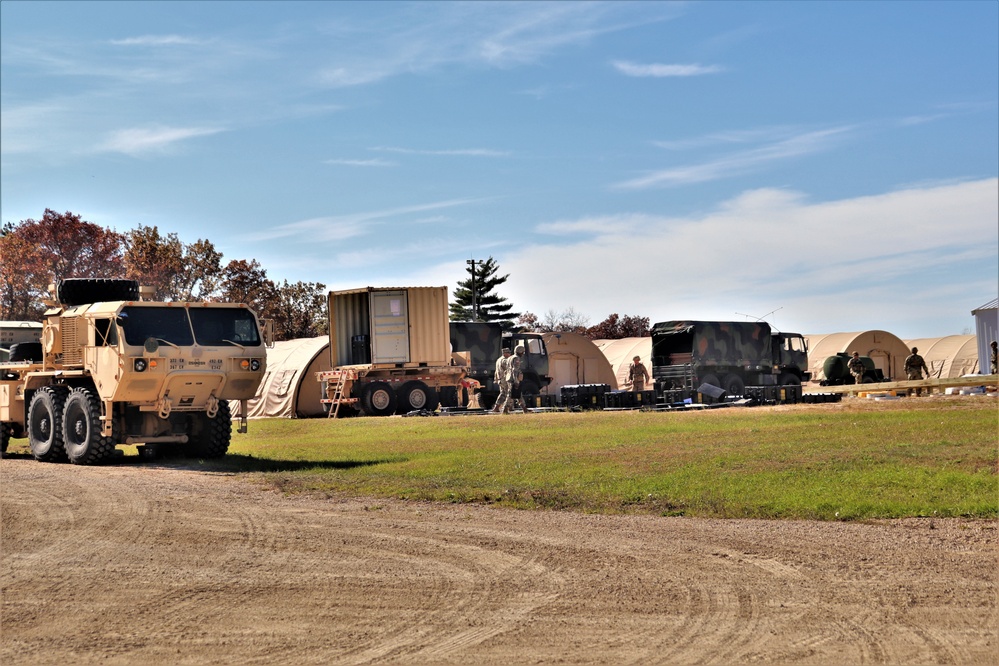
<point>289,388</point>
<point>620,353</point>
<point>886,349</point>
<point>949,356</point>
<point>574,359</point>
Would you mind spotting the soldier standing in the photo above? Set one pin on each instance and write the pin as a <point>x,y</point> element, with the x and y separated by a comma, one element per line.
<point>914,367</point>
<point>995,357</point>
<point>857,368</point>
<point>637,375</point>
<point>517,362</point>
<point>503,379</point>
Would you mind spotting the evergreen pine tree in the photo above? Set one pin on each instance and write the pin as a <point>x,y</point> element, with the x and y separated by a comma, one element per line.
<point>490,307</point>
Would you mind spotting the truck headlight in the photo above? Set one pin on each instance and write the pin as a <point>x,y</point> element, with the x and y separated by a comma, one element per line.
<point>140,365</point>
<point>254,364</point>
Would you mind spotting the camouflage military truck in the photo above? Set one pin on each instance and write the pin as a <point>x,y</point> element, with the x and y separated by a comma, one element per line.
<point>726,355</point>
<point>114,369</point>
<point>484,343</point>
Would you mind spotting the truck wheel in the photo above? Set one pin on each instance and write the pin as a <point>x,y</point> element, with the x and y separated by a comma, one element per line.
<point>529,387</point>
<point>378,399</point>
<point>448,396</point>
<point>81,429</point>
<point>26,351</point>
<point>787,379</point>
<point>734,385</point>
<point>711,379</point>
<point>45,424</point>
<point>414,396</point>
<point>6,430</point>
<point>209,438</point>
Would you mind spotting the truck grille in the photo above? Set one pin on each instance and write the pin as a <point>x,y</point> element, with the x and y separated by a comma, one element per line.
<point>72,350</point>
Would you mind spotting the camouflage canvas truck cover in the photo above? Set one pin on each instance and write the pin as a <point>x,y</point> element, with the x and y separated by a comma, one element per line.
<point>484,342</point>
<point>129,371</point>
<point>725,355</point>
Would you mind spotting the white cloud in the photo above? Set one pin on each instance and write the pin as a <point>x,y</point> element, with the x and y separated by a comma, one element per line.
<point>140,140</point>
<point>842,265</point>
<point>661,71</point>
<point>157,40</point>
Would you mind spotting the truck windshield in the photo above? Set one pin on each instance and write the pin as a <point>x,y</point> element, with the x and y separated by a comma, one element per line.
<point>169,324</point>
<point>221,326</point>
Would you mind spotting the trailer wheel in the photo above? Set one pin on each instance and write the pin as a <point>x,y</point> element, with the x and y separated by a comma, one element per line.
<point>448,396</point>
<point>734,385</point>
<point>787,379</point>
<point>711,379</point>
<point>210,437</point>
<point>378,399</point>
<point>45,424</point>
<point>414,396</point>
<point>81,429</point>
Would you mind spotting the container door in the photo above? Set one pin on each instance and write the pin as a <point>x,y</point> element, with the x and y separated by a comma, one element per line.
<point>390,318</point>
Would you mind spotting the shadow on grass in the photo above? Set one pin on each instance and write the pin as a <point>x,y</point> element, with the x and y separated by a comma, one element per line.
<point>229,464</point>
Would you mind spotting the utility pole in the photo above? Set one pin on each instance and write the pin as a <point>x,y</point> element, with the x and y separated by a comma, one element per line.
<point>475,305</point>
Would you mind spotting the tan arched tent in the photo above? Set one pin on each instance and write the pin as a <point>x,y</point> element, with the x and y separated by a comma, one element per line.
<point>289,388</point>
<point>949,356</point>
<point>574,359</point>
<point>886,349</point>
<point>620,353</point>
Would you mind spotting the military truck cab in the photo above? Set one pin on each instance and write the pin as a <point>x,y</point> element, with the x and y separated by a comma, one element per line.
<point>790,358</point>
<point>129,371</point>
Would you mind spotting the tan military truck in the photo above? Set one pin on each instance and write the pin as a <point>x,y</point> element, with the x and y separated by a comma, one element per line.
<point>390,351</point>
<point>114,369</point>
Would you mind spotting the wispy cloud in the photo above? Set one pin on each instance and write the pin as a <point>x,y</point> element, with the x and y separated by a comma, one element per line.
<point>361,163</point>
<point>340,227</point>
<point>740,162</point>
<point>467,152</point>
<point>661,71</point>
<point>157,40</point>
<point>140,140</point>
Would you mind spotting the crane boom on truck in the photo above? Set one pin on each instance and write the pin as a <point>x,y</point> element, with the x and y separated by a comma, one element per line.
<point>114,369</point>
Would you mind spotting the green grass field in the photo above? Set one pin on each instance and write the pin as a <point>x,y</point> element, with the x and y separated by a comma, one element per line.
<point>853,460</point>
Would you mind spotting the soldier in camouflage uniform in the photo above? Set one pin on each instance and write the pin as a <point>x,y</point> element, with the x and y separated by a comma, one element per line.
<point>857,368</point>
<point>995,357</point>
<point>914,367</point>
<point>637,375</point>
<point>517,362</point>
<point>504,379</point>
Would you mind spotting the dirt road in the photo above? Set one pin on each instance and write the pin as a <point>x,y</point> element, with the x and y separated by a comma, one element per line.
<point>150,563</point>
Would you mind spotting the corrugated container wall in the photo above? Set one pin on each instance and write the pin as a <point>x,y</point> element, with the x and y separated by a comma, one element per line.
<point>353,315</point>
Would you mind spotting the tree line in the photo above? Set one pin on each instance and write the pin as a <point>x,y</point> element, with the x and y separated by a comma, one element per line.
<point>36,253</point>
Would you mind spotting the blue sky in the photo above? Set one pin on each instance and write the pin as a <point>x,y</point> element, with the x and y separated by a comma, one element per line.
<point>832,165</point>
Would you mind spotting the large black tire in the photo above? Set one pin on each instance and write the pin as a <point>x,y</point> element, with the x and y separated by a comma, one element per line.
<point>787,379</point>
<point>26,351</point>
<point>6,430</point>
<point>529,387</point>
<point>711,379</point>
<point>734,385</point>
<point>81,291</point>
<point>378,399</point>
<point>416,396</point>
<point>81,429</point>
<point>45,424</point>
<point>210,437</point>
<point>448,396</point>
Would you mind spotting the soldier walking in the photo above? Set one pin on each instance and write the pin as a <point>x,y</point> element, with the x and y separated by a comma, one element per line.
<point>504,379</point>
<point>517,361</point>
<point>637,375</point>
<point>914,367</point>
<point>995,357</point>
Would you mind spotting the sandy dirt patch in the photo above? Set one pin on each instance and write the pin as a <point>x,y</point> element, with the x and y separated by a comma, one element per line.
<point>153,563</point>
